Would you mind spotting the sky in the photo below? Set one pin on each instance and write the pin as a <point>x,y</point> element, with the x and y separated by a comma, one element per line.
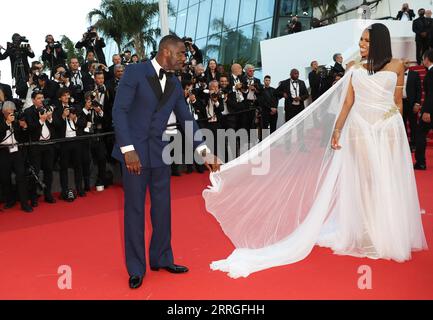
<point>36,19</point>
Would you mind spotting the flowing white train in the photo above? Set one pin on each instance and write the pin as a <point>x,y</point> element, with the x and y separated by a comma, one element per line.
<point>360,201</point>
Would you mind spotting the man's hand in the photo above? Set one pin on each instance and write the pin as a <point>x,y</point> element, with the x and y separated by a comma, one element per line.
<point>132,162</point>
<point>10,118</point>
<point>43,117</point>
<point>274,111</point>
<point>426,117</point>
<point>23,124</point>
<point>66,113</point>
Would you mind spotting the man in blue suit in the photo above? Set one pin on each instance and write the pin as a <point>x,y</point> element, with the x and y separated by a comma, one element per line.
<point>146,96</point>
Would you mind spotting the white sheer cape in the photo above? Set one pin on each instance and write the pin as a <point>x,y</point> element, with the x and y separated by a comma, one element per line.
<point>292,191</point>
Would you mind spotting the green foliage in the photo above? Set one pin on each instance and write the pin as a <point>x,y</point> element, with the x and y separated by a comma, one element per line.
<point>71,51</point>
<point>128,23</point>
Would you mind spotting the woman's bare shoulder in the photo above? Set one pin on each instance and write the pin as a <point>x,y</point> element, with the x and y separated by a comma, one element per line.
<point>396,65</point>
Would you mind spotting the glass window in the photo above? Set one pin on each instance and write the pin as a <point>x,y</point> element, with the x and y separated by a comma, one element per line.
<point>231,14</point>
<point>193,2</point>
<point>245,41</point>
<point>180,23</point>
<point>262,31</point>
<point>216,16</point>
<point>201,44</point>
<point>229,46</point>
<point>173,5</point>
<point>213,47</point>
<point>171,22</point>
<point>247,12</point>
<point>286,8</point>
<point>183,4</point>
<point>191,21</point>
<point>265,9</point>
<point>203,19</point>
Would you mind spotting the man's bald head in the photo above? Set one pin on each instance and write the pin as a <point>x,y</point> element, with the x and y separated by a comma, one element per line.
<point>237,69</point>
<point>168,42</point>
<point>171,53</point>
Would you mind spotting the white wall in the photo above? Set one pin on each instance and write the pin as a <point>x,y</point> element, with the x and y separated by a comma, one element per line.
<point>281,54</point>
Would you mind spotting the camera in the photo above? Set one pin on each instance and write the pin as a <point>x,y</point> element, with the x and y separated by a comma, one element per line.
<point>55,45</point>
<point>19,115</point>
<point>46,107</point>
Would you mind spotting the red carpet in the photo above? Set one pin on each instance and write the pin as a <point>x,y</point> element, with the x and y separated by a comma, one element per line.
<point>87,236</point>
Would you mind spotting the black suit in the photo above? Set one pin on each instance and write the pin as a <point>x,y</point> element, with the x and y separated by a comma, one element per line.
<point>41,156</point>
<point>96,47</point>
<point>7,91</point>
<point>410,12</point>
<point>70,152</point>
<point>314,80</point>
<point>291,110</point>
<point>53,60</point>
<point>338,68</point>
<point>269,100</point>
<point>419,26</point>
<point>413,95</point>
<point>13,162</point>
<point>20,75</point>
<point>423,127</point>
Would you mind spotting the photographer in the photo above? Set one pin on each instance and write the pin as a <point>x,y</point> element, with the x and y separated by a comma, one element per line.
<point>314,80</point>
<point>92,117</point>
<point>47,87</point>
<point>61,77</point>
<point>76,80</point>
<point>405,14</point>
<point>67,126</point>
<point>116,59</point>
<point>126,57</point>
<point>269,105</point>
<point>102,96</point>
<point>13,131</point>
<point>192,51</point>
<point>294,25</point>
<point>39,118</point>
<point>19,51</point>
<point>53,55</point>
<point>90,59</point>
<point>93,43</point>
<point>252,89</point>
<point>213,108</point>
<point>211,72</point>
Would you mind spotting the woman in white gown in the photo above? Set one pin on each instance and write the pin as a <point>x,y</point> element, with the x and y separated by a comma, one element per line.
<point>352,189</point>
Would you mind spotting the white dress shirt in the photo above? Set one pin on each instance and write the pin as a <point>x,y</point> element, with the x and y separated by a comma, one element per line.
<point>10,140</point>
<point>294,91</point>
<point>172,118</point>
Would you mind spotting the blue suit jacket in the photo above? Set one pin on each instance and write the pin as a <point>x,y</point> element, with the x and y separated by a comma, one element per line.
<point>141,112</point>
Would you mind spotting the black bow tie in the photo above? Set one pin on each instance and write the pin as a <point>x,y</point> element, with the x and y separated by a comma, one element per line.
<point>162,72</point>
<point>295,81</point>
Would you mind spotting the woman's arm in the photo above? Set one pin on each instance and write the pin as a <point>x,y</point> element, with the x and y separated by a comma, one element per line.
<point>398,94</point>
<point>341,120</point>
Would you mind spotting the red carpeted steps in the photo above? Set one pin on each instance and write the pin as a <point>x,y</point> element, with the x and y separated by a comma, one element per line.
<point>86,235</point>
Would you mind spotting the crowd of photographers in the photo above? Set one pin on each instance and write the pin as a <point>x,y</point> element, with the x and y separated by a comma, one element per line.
<point>73,100</point>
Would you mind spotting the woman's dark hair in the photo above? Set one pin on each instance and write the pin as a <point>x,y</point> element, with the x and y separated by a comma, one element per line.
<point>380,48</point>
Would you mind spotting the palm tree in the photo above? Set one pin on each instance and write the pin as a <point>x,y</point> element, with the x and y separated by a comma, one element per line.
<point>71,51</point>
<point>137,25</point>
<point>327,8</point>
<point>111,20</point>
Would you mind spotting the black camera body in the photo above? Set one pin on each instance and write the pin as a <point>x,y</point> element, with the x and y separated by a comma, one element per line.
<point>55,45</point>
<point>19,115</point>
<point>46,107</point>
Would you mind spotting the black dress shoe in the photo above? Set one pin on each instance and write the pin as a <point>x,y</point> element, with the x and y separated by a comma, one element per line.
<point>172,269</point>
<point>34,203</point>
<point>9,205</point>
<point>135,282</point>
<point>49,199</point>
<point>420,166</point>
<point>26,208</point>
